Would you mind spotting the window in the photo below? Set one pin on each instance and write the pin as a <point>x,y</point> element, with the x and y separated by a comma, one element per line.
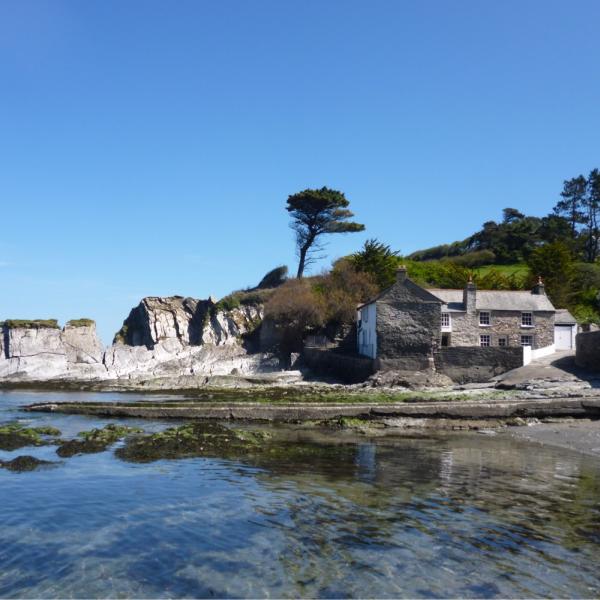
<point>365,314</point>
<point>445,339</point>
<point>502,341</point>
<point>484,341</point>
<point>526,340</point>
<point>527,319</point>
<point>484,318</point>
<point>445,319</point>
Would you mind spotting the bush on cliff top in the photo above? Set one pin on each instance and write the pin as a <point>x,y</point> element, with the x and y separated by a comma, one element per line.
<point>81,322</point>
<point>31,323</point>
<point>253,297</point>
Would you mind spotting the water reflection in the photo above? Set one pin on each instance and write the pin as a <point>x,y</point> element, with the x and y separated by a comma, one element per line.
<point>316,515</point>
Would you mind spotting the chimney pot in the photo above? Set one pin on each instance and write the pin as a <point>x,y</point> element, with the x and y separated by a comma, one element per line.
<point>401,273</point>
<point>539,288</point>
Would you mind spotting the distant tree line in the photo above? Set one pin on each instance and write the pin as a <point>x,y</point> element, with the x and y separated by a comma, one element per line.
<point>574,221</point>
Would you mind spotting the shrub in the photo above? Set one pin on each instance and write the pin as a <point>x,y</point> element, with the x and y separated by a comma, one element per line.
<point>474,259</point>
<point>80,323</point>
<point>295,308</point>
<point>341,290</point>
<point>252,297</point>
<point>31,324</point>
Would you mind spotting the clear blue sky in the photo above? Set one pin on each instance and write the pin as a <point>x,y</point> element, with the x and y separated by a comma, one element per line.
<point>148,148</point>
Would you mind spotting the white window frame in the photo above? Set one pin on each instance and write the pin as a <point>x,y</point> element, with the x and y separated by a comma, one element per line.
<point>530,337</point>
<point>529,318</point>
<point>485,341</point>
<point>489,318</point>
<point>503,341</point>
<point>448,325</point>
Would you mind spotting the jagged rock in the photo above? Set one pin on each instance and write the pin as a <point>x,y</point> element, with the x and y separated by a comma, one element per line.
<point>32,352</point>
<point>274,278</point>
<point>82,344</point>
<point>189,321</point>
<point>161,337</point>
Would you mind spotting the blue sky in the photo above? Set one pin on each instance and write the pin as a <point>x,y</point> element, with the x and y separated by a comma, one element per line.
<point>148,148</point>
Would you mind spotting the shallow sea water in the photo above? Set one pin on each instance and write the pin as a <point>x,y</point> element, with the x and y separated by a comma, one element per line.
<point>435,516</point>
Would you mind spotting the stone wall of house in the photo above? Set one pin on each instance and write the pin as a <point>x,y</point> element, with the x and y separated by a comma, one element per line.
<point>588,350</point>
<point>467,365</point>
<point>407,328</point>
<point>466,329</point>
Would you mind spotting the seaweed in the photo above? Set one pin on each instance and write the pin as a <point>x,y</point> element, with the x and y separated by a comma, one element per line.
<point>193,439</point>
<point>96,440</point>
<point>14,436</point>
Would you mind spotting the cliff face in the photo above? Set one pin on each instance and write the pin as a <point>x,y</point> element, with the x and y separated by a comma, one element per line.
<point>161,337</point>
<point>29,351</point>
<point>189,321</point>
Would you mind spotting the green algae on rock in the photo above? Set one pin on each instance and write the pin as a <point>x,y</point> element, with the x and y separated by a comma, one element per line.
<point>193,439</point>
<point>23,463</point>
<point>14,436</point>
<point>96,440</point>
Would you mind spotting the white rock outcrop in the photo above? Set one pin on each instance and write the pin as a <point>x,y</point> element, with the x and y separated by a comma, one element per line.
<point>161,337</point>
<point>33,351</point>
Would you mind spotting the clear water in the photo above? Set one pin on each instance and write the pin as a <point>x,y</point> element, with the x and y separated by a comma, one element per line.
<point>447,515</point>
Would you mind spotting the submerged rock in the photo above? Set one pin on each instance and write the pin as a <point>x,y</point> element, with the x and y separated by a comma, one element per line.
<point>193,439</point>
<point>14,436</point>
<point>23,463</point>
<point>96,440</point>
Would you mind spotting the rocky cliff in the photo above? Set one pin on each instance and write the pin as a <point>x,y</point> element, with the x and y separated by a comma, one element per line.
<point>41,350</point>
<point>161,337</point>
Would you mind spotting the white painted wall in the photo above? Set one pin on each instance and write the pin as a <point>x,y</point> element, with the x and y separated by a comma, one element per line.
<point>367,331</point>
<point>530,354</point>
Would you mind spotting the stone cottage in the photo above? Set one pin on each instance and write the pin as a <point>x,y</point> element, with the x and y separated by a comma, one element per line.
<point>407,320</point>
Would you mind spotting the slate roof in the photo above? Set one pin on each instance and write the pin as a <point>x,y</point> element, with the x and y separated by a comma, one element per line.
<point>422,293</point>
<point>496,300</point>
<point>564,317</point>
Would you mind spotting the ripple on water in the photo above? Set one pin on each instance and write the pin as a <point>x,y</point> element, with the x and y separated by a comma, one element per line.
<point>456,515</point>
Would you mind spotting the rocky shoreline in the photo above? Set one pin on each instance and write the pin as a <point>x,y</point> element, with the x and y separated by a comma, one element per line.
<point>162,337</point>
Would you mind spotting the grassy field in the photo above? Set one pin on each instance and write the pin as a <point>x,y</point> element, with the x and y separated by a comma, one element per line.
<point>519,269</point>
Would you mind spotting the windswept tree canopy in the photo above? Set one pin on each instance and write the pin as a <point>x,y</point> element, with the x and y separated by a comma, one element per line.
<point>377,259</point>
<point>315,213</point>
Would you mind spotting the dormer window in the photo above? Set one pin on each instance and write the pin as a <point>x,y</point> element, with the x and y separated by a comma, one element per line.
<point>484,318</point>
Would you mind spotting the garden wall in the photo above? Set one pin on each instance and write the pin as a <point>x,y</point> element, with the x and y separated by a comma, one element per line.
<point>588,350</point>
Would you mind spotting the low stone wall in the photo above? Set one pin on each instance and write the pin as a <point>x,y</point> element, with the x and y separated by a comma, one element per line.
<point>347,368</point>
<point>408,362</point>
<point>462,364</point>
<point>588,350</point>
<point>476,364</point>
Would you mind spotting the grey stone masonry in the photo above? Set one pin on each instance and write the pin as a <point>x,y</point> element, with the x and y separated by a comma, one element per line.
<point>588,350</point>
<point>502,317</point>
<point>466,329</point>
<point>408,320</point>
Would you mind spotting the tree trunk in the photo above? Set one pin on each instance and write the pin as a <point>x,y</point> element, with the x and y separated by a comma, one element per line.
<point>303,251</point>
